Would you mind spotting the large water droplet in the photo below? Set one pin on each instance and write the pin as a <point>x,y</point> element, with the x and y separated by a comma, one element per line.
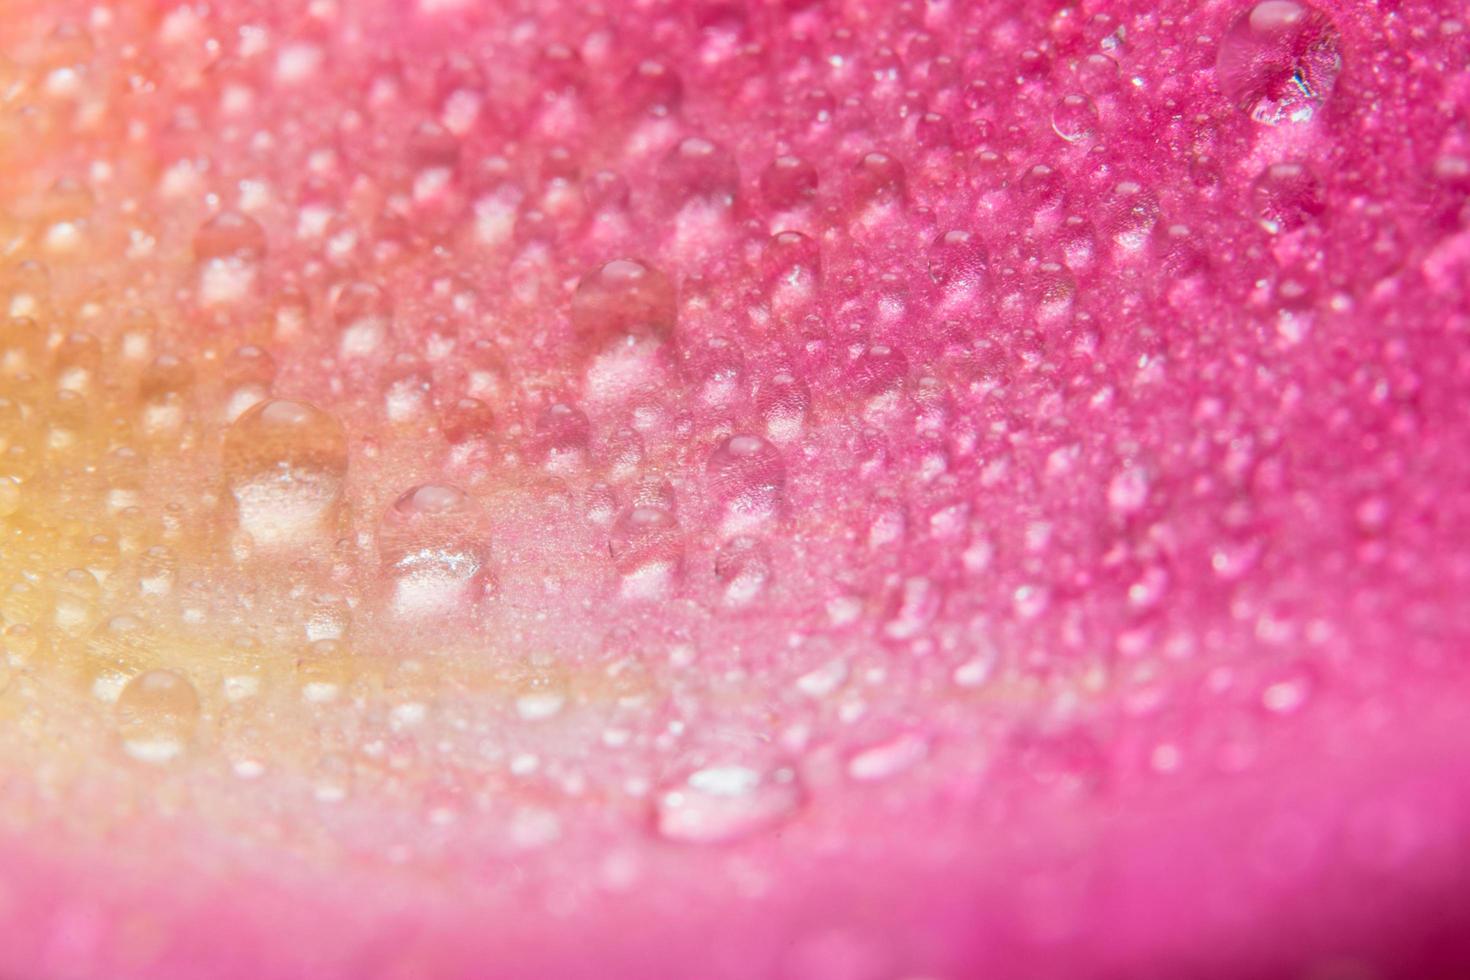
<point>1286,196</point>
<point>1074,118</point>
<point>747,480</point>
<point>625,297</point>
<point>363,314</point>
<point>158,713</point>
<point>1279,62</point>
<point>435,543</point>
<point>284,464</point>
<point>228,251</point>
<point>647,546</point>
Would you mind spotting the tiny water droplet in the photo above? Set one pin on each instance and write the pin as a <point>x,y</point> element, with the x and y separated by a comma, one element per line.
<point>743,568</point>
<point>363,314</point>
<point>888,759</point>
<point>788,182</point>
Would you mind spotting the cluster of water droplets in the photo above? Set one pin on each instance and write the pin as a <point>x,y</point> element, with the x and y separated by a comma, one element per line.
<point>895,391</point>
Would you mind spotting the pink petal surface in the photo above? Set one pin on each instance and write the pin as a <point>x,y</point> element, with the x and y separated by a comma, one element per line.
<point>809,489</point>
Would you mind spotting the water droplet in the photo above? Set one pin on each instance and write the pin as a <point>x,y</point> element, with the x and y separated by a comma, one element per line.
<point>10,496</point>
<point>284,464</point>
<point>878,180</point>
<point>789,182</point>
<point>743,568</point>
<point>158,714</point>
<point>783,400</point>
<point>879,371</point>
<point>957,264</point>
<point>1098,74</point>
<point>725,803</point>
<point>914,607</point>
<point>434,542</point>
<point>165,377</point>
<point>624,298</point>
<point>747,479</point>
<point>228,250</point>
<point>975,671</point>
<point>1042,188</point>
<point>1128,491</point>
<point>540,704</point>
<point>647,546</point>
<point>563,433</point>
<point>1286,196</point>
<point>330,618</point>
<point>22,346</point>
<point>363,314</point>
<point>1279,62</point>
<point>794,271</point>
<point>887,759</point>
<point>652,88</point>
<point>822,681</point>
<point>1129,216</point>
<point>717,367</point>
<point>467,419</point>
<point>77,361</point>
<point>699,172</point>
<point>1074,119</point>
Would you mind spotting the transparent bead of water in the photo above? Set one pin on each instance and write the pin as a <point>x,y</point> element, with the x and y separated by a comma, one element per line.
<point>788,182</point>
<point>228,251</point>
<point>363,314</point>
<point>434,543</point>
<point>285,463</point>
<point>743,568</point>
<point>784,401</point>
<point>158,715</point>
<point>1074,118</point>
<point>747,480</point>
<point>1279,62</point>
<point>1286,196</point>
<point>625,297</point>
<point>647,547</point>
<point>700,173</point>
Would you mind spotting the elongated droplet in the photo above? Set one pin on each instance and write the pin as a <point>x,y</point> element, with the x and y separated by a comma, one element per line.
<point>724,803</point>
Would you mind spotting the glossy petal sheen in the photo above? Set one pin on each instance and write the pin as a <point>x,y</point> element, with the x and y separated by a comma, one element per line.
<point>814,489</point>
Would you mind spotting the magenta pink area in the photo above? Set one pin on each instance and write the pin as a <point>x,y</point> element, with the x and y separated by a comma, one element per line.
<point>1351,866</point>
